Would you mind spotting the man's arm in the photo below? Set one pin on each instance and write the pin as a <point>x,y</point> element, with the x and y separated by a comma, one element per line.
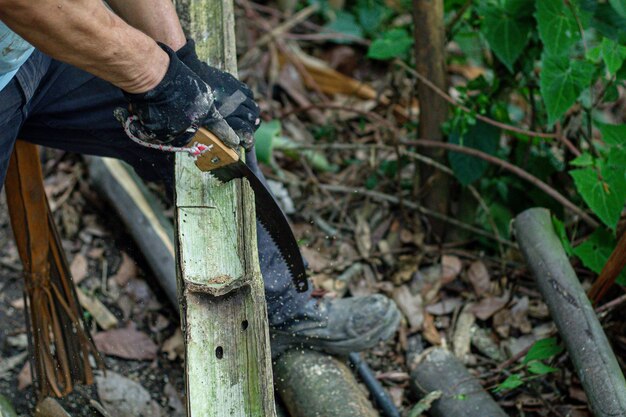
<point>156,18</point>
<point>86,34</point>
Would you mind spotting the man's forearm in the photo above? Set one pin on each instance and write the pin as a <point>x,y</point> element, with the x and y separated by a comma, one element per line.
<point>156,18</point>
<point>86,34</point>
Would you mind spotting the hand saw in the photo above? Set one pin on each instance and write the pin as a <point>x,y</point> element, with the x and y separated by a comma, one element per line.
<point>224,163</point>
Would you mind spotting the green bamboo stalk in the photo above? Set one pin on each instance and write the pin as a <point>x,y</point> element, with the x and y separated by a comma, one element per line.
<point>221,295</point>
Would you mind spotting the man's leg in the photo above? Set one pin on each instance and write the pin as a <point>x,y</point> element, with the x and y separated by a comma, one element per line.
<point>14,99</point>
<point>73,111</point>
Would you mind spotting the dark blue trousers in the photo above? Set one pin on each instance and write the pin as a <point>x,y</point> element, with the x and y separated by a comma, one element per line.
<point>53,104</point>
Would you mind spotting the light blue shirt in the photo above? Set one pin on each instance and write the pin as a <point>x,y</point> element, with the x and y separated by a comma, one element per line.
<point>14,51</point>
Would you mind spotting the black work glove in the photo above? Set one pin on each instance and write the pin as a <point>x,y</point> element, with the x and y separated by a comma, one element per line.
<point>233,99</point>
<point>172,112</point>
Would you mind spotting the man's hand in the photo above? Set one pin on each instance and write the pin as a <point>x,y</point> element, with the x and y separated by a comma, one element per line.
<point>172,112</point>
<point>233,99</point>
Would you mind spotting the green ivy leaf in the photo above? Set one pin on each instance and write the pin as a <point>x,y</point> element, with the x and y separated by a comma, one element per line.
<point>391,44</point>
<point>540,368</point>
<point>371,14</point>
<point>559,228</point>
<point>584,160</point>
<point>596,249</point>
<point>613,134</point>
<point>506,25</point>
<point>264,140</point>
<point>345,23</point>
<point>562,81</point>
<point>604,188</point>
<point>613,55</point>
<point>619,6</point>
<point>543,349</point>
<point>594,54</point>
<point>558,29</point>
<point>481,136</point>
<point>512,382</point>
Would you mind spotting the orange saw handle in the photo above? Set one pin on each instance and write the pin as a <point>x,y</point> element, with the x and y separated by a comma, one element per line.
<point>219,155</point>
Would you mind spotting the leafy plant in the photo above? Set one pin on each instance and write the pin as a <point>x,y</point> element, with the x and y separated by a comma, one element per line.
<point>563,59</point>
<point>548,66</point>
<point>533,365</point>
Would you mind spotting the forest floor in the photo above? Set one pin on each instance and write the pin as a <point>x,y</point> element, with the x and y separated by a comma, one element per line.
<point>468,292</point>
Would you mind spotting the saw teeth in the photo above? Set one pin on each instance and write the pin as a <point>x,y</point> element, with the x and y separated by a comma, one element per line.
<point>301,282</point>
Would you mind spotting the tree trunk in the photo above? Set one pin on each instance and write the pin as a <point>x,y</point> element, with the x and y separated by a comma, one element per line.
<point>433,185</point>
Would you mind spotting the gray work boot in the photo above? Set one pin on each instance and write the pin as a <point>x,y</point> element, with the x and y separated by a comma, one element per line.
<point>338,326</point>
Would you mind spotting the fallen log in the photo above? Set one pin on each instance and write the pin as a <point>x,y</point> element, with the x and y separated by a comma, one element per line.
<point>140,212</point>
<point>437,369</point>
<point>578,325</point>
<point>314,384</point>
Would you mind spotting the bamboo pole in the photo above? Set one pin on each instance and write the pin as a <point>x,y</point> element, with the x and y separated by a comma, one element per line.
<point>586,343</point>
<point>221,294</point>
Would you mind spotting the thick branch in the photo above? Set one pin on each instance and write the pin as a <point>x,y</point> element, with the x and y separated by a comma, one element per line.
<point>572,313</point>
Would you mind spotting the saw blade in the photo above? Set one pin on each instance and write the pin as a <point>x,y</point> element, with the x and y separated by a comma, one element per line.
<point>272,219</point>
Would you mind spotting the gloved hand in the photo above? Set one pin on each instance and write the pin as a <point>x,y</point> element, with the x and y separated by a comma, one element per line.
<point>172,112</point>
<point>233,99</point>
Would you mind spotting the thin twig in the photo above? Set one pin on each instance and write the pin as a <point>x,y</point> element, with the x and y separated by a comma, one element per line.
<point>457,17</point>
<point>283,48</point>
<point>474,152</point>
<point>511,168</point>
<point>579,23</point>
<point>480,117</point>
<point>395,200</point>
<point>612,304</point>
<point>325,37</point>
<point>286,25</point>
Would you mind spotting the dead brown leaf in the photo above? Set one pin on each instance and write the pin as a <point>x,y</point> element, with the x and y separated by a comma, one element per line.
<point>461,339</point>
<point>363,236</point>
<point>18,303</point>
<point>158,323</point>
<point>316,260</point>
<point>79,268</point>
<point>174,346</point>
<point>126,271</point>
<point>410,305</point>
<point>127,343</point>
<point>519,315</point>
<point>501,323</point>
<point>489,306</point>
<point>430,332</point>
<point>122,397</point>
<point>406,271</point>
<point>174,400</point>
<point>450,268</point>
<point>397,395</point>
<point>95,253</point>
<point>49,407</point>
<point>478,276</point>
<point>25,377</point>
<point>444,307</point>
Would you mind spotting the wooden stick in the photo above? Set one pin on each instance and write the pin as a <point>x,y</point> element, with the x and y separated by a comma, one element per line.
<point>141,214</point>
<point>313,384</point>
<point>572,313</point>
<point>437,369</point>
